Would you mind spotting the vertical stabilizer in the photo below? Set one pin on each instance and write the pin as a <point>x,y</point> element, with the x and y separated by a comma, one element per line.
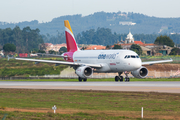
<point>70,39</point>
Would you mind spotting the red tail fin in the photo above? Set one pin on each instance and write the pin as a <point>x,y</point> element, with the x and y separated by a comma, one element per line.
<point>70,39</point>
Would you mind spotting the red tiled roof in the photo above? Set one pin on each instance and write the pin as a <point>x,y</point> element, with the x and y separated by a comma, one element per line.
<point>149,44</point>
<point>48,44</point>
<point>138,42</point>
<point>96,47</point>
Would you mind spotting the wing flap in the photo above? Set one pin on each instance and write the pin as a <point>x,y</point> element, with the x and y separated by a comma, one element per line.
<point>61,62</point>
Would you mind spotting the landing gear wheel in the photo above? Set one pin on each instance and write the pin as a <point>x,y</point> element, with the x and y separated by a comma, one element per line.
<point>85,79</point>
<point>117,78</point>
<point>127,79</point>
<point>121,78</point>
<point>80,79</point>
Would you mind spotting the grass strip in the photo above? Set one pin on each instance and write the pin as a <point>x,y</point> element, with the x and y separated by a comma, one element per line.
<point>48,116</point>
<point>163,104</point>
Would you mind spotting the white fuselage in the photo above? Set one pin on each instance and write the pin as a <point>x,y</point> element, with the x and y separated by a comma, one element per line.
<point>111,60</point>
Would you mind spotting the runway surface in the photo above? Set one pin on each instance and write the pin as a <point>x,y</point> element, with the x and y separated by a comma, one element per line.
<point>167,87</point>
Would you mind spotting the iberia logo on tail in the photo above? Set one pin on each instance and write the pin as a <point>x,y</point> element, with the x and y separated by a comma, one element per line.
<point>70,39</point>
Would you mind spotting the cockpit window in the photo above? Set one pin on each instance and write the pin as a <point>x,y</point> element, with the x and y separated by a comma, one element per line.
<point>131,56</point>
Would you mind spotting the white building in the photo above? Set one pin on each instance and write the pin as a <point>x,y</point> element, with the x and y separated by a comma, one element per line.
<point>129,38</point>
<point>126,23</point>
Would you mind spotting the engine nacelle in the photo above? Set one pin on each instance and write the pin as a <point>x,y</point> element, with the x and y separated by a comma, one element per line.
<point>84,71</point>
<point>142,72</point>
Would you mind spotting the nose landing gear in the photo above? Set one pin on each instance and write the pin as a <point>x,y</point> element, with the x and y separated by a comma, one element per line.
<point>127,79</point>
<point>81,79</point>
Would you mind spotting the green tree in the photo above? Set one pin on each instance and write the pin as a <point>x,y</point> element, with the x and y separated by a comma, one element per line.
<point>83,48</point>
<point>107,47</point>
<point>62,50</point>
<point>164,40</point>
<point>117,47</point>
<point>175,51</point>
<point>32,39</point>
<point>9,47</point>
<point>25,40</point>
<point>41,51</point>
<point>35,50</point>
<point>17,35</point>
<point>102,36</point>
<point>52,52</point>
<point>136,48</point>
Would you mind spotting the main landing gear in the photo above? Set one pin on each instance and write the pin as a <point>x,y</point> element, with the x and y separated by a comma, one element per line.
<point>82,79</point>
<point>120,78</point>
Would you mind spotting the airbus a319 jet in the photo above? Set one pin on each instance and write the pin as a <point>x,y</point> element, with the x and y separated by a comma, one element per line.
<point>85,62</point>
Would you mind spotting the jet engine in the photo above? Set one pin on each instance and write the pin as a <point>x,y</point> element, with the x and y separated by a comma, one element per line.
<point>84,71</point>
<point>142,72</point>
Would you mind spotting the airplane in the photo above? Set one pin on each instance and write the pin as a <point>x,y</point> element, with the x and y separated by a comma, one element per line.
<point>85,62</point>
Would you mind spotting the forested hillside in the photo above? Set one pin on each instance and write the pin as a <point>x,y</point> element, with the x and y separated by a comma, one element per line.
<point>105,36</point>
<point>28,39</point>
<point>99,28</point>
<point>143,24</point>
<point>25,40</point>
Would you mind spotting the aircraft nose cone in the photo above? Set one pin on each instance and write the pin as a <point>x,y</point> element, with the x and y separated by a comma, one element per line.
<point>137,64</point>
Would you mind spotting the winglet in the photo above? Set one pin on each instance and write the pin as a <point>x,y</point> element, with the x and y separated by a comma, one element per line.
<point>70,39</point>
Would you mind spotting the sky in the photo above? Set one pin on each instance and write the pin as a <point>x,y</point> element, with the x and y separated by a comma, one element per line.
<point>45,10</point>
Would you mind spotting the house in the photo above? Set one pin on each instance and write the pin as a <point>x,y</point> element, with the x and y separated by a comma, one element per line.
<point>49,46</point>
<point>148,49</point>
<point>164,49</point>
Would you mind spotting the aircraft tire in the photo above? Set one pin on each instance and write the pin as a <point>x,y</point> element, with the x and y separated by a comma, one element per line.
<point>121,78</point>
<point>117,78</point>
<point>85,79</point>
<point>127,79</point>
<point>80,79</point>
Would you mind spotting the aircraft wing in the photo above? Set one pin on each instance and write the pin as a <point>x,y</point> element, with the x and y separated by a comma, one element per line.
<point>154,62</point>
<point>61,62</point>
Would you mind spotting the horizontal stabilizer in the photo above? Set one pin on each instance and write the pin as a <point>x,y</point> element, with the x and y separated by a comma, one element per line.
<point>53,55</point>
